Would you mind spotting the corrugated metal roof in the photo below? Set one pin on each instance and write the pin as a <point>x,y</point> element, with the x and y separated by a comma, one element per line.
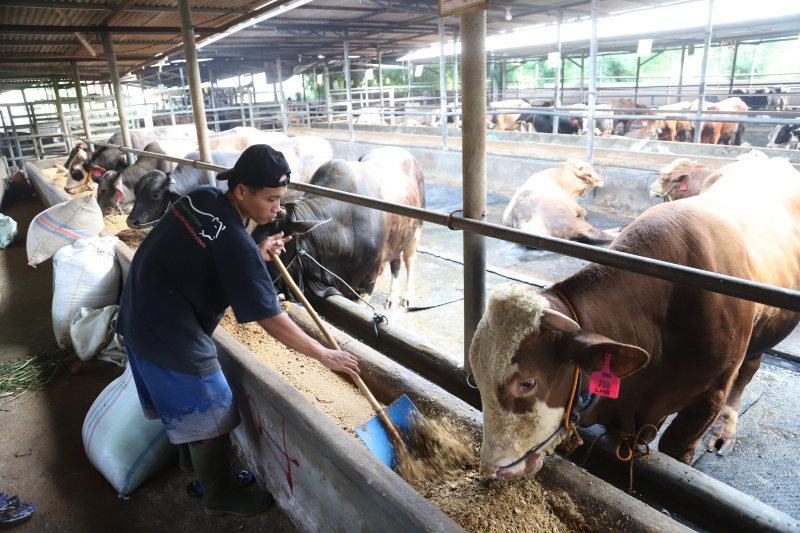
<point>38,37</point>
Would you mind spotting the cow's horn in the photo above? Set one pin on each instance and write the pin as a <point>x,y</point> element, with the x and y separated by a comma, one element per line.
<point>555,321</point>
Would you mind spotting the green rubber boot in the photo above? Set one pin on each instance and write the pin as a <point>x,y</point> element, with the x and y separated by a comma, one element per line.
<point>185,458</point>
<point>220,496</point>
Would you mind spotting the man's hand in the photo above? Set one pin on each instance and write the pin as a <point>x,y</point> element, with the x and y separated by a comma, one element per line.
<point>340,361</point>
<point>273,245</point>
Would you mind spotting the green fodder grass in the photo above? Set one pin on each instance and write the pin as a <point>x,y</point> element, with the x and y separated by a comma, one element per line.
<point>34,373</point>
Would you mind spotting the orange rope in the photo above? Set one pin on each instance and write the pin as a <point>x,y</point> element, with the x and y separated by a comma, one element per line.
<point>577,369</point>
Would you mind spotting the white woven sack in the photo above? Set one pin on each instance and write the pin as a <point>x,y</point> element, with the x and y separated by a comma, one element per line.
<point>92,334</point>
<point>120,442</point>
<point>8,231</point>
<point>61,225</point>
<point>85,274</point>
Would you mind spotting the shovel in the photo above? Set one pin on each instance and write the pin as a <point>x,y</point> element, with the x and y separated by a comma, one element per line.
<point>380,434</point>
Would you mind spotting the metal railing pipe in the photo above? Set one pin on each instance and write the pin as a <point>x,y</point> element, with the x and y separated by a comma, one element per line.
<point>702,279</point>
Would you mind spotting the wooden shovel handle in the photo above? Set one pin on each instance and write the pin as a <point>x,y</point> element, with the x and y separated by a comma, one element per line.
<point>382,416</point>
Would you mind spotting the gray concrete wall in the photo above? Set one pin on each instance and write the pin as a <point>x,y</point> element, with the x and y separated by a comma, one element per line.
<point>625,193</point>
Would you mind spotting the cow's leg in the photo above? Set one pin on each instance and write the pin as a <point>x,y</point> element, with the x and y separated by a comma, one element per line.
<point>394,289</point>
<point>722,435</point>
<point>410,259</point>
<point>681,437</point>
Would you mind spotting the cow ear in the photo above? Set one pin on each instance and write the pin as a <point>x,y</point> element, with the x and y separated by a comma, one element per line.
<point>118,185</point>
<point>555,321</point>
<point>588,351</point>
<point>299,227</point>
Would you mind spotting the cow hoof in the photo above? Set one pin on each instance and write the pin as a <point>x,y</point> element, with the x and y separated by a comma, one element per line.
<point>393,302</point>
<point>722,435</point>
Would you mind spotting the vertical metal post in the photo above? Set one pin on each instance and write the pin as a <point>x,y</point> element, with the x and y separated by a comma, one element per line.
<point>282,95</point>
<point>14,132</point>
<point>557,76</point>
<point>592,83</point>
<point>183,89</point>
<point>698,126</point>
<point>457,118</point>
<point>380,79</point>
<point>87,132</point>
<point>442,84</point>
<point>111,57</point>
<point>61,117</point>
<point>638,69</point>
<point>753,65</point>
<point>34,127</point>
<point>240,96</point>
<point>503,76</point>
<point>410,81</point>
<point>680,76</point>
<point>195,88</point>
<point>491,77</point>
<point>328,101</point>
<point>473,35</point>
<point>733,65</point>
<point>583,58</point>
<point>347,84</point>
<point>213,100</point>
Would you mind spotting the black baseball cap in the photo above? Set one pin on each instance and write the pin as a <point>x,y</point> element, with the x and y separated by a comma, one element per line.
<point>258,166</point>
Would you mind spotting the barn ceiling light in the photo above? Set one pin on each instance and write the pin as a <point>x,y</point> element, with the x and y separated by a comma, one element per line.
<point>644,48</point>
<point>508,13</point>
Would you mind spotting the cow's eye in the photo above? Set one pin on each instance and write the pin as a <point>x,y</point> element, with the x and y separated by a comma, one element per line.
<point>154,196</point>
<point>526,386</point>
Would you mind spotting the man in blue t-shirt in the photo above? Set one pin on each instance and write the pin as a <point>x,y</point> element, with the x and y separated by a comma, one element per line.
<point>195,263</point>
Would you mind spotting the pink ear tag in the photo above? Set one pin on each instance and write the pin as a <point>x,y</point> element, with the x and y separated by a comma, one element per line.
<point>603,382</point>
<point>119,196</point>
<point>96,173</point>
<point>682,187</point>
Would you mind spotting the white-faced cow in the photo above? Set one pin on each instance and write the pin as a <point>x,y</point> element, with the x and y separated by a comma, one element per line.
<point>115,192</point>
<point>683,178</point>
<point>545,204</point>
<point>677,349</point>
<point>357,242</point>
<point>74,165</point>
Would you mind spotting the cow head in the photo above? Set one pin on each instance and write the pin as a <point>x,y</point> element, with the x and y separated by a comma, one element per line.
<point>584,172</point>
<point>153,194</point>
<point>523,357</point>
<point>674,180</point>
<point>109,192</point>
<point>80,153</point>
<point>652,127</point>
<point>302,270</point>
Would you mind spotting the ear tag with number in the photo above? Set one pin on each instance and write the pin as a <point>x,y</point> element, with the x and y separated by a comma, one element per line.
<point>682,187</point>
<point>603,382</point>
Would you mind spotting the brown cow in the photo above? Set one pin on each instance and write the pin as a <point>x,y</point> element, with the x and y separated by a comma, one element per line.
<point>545,204</point>
<point>356,242</point>
<point>724,132</point>
<point>670,130</point>
<point>678,349</point>
<point>683,178</point>
<point>506,121</point>
<point>624,106</point>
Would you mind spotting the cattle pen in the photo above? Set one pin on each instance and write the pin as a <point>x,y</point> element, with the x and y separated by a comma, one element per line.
<point>474,171</point>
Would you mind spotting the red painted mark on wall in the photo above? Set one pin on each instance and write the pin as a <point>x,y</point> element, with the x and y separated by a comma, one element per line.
<point>278,449</point>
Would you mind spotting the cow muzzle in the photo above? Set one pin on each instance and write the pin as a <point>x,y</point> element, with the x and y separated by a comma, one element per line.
<point>529,467</point>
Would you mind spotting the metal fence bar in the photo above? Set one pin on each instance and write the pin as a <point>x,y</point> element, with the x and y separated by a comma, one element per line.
<point>731,286</point>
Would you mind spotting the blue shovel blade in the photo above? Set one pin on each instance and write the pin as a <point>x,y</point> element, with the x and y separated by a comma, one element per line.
<point>402,412</point>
